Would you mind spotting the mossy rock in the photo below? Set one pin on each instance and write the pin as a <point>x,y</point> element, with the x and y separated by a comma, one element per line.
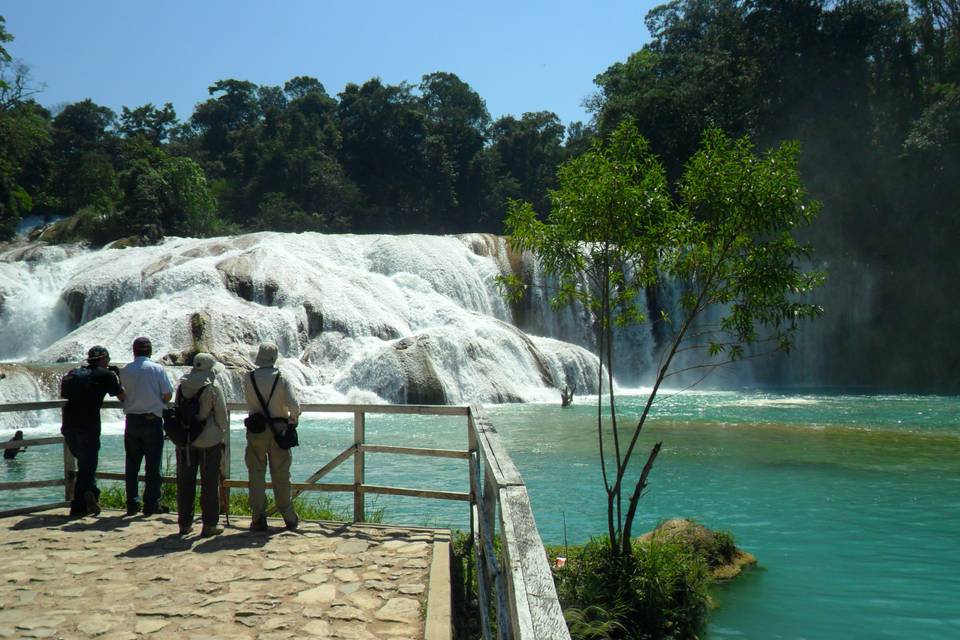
<point>723,558</point>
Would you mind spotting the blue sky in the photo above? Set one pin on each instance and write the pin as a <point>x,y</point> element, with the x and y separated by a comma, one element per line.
<point>519,56</point>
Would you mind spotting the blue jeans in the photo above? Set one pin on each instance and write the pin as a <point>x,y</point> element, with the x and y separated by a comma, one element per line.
<point>143,438</point>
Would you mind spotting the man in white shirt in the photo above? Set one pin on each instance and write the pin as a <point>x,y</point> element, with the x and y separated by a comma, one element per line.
<point>148,389</point>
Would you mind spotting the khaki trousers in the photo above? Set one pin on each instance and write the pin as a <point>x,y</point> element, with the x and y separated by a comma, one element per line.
<point>262,450</point>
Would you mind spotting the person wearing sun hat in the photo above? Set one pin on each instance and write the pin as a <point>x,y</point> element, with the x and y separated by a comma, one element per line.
<point>85,389</point>
<point>270,395</point>
<point>206,451</point>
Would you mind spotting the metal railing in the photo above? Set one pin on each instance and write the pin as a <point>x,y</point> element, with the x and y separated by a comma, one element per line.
<point>516,592</point>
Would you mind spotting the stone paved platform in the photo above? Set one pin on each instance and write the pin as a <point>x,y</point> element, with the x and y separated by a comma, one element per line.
<point>120,578</point>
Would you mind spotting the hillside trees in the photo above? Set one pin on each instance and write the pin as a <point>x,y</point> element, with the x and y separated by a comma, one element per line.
<point>375,158</point>
<point>867,87</point>
<point>83,150</point>
<point>25,132</point>
<point>149,122</point>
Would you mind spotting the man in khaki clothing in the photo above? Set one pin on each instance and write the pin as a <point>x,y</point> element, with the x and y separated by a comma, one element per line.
<point>262,448</point>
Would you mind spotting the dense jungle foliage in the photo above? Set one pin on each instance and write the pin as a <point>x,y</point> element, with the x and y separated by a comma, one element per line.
<point>870,88</point>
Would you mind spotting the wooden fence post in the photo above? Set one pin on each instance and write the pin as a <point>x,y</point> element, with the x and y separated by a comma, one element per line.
<point>472,447</point>
<point>226,467</point>
<point>358,466</point>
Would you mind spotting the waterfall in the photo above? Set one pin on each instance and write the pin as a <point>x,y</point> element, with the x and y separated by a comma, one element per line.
<point>358,318</point>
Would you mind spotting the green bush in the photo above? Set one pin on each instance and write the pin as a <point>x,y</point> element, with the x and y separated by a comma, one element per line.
<point>658,592</point>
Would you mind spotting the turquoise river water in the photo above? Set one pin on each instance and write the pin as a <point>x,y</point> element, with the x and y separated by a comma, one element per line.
<point>851,503</point>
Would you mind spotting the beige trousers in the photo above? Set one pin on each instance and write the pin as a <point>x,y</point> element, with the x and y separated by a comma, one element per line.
<point>262,450</point>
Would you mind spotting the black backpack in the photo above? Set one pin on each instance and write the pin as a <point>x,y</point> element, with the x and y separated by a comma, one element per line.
<point>76,384</point>
<point>181,423</point>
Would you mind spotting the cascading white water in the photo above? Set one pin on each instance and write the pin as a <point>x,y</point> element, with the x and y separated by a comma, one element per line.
<point>31,313</point>
<point>357,318</point>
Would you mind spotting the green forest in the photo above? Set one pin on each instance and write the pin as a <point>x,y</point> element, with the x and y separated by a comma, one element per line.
<point>870,89</point>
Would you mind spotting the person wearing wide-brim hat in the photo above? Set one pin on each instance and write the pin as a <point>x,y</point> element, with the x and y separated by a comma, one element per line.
<point>282,411</point>
<point>206,451</point>
<point>84,388</point>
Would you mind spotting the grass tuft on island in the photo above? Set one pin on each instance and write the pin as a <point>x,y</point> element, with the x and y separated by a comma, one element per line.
<point>659,592</point>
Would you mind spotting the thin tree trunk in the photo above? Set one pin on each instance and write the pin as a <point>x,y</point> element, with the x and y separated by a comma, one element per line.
<point>635,499</point>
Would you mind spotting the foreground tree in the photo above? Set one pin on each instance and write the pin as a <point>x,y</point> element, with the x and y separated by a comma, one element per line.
<point>614,230</point>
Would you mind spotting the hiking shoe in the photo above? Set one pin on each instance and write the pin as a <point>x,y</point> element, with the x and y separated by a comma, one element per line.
<point>258,524</point>
<point>292,526</point>
<point>185,529</point>
<point>160,508</point>
<point>133,509</point>
<point>90,500</point>
<point>77,512</point>
<point>208,532</point>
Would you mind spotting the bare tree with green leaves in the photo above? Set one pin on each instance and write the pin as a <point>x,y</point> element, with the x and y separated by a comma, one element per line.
<point>725,232</point>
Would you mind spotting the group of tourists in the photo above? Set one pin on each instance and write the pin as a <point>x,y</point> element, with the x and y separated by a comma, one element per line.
<point>145,390</point>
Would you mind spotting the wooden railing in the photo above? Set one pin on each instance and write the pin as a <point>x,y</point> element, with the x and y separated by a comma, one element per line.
<point>516,592</point>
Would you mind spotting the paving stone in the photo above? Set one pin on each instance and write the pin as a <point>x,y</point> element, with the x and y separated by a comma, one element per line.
<point>275,624</point>
<point>348,562</point>
<point>416,548</point>
<point>378,585</point>
<point>411,589</point>
<point>416,563</point>
<point>27,597</point>
<point>347,613</point>
<point>318,595</point>
<point>40,622</point>
<point>318,576</point>
<point>317,628</point>
<point>353,547</point>
<point>234,597</point>
<point>96,625</point>
<point>150,626</point>
<point>353,631</point>
<point>82,569</point>
<point>346,575</point>
<point>365,600</point>
<point>399,610</point>
<point>161,612</point>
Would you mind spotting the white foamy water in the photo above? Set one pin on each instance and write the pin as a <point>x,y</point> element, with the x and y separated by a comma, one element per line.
<point>357,318</point>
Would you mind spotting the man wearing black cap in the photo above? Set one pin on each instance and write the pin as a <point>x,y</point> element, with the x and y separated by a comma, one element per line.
<point>148,389</point>
<point>85,389</point>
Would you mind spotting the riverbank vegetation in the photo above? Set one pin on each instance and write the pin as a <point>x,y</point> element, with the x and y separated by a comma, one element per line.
<point>661,592</point>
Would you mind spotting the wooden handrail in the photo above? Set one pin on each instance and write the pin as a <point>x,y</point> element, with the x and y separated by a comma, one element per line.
<point>526,598</point>
<point>517,579</point>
